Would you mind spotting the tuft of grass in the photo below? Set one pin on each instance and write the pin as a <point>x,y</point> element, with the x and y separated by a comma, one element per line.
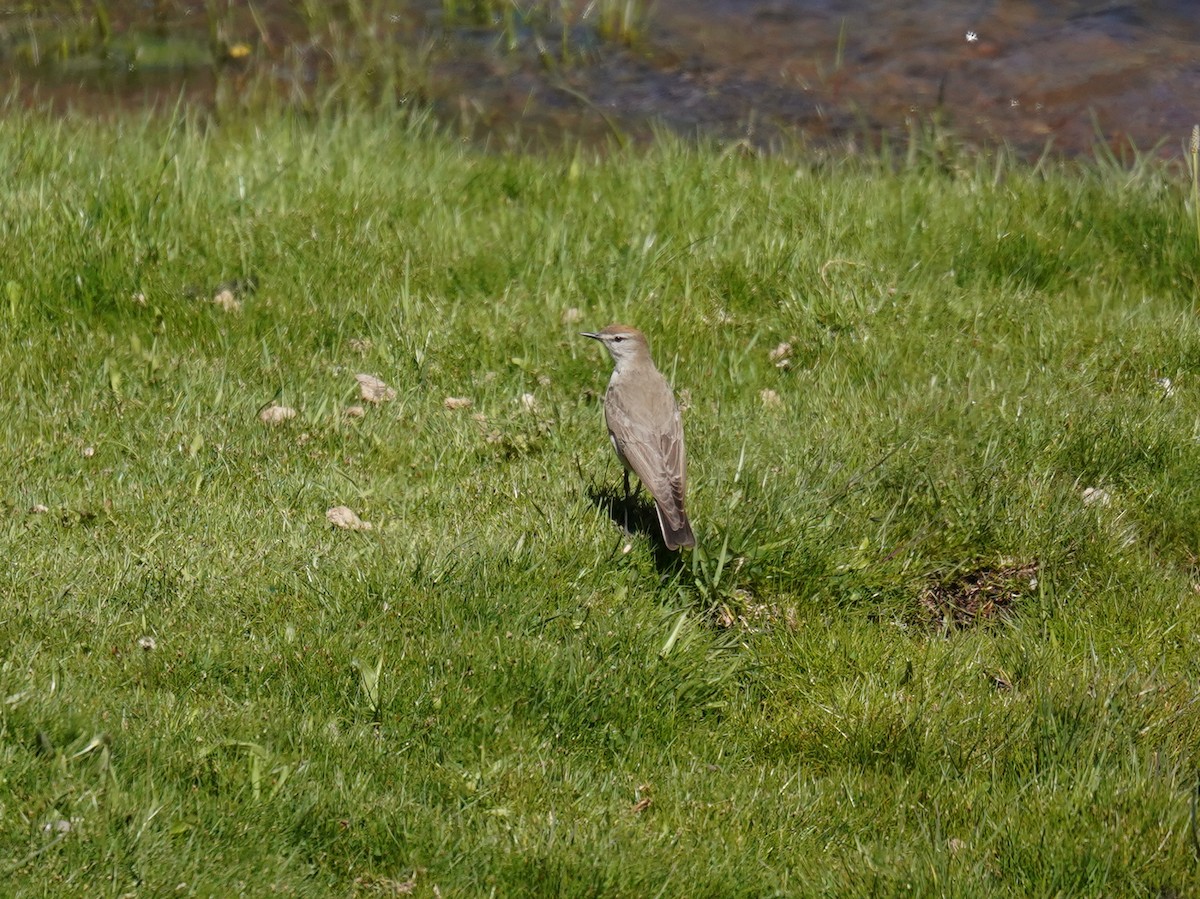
<point>1194,167</point>
<point>907,379</point>
<point>254,57</point>
<point>624,21</point>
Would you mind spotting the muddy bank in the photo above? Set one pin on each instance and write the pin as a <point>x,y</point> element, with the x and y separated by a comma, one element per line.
<point>834,75</point>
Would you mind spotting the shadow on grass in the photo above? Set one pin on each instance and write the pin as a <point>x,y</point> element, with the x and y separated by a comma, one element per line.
<point>635,515</point>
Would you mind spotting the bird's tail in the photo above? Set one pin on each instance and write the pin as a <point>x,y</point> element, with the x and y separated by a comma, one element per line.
<point>676,529</point>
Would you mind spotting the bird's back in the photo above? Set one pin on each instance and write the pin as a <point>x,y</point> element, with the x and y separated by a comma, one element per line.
<point>647,433</point>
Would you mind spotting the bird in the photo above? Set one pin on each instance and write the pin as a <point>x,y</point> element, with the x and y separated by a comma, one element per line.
<point>646,429</point>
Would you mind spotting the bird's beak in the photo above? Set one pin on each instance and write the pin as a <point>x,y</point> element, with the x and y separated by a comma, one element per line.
<point>591,334</point>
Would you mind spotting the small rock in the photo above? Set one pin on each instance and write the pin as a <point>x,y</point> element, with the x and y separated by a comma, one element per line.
<point>276,415</point>
<point>456,402</point>
<point>355,412</point>
<point>770,399</point>
<point>227,301</point>
<point>782,355</point>
<point>373,390</point>
<point>343,517</point>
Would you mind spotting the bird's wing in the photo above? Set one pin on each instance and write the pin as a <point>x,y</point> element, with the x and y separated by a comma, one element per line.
<point>674,463</point>
<point>651,442</point>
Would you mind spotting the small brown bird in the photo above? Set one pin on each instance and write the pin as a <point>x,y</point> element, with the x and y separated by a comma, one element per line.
<point>645,429</point>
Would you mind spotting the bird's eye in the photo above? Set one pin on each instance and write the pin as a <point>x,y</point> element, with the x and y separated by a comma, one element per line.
<point>618,338</point>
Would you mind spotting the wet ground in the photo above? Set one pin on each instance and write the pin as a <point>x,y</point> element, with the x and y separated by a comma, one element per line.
<point>1016,71</point>
<point>1030,74</point>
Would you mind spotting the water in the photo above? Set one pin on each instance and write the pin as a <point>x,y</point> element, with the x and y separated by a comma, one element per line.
<point>1025,73</point>
<point>1033,75</point>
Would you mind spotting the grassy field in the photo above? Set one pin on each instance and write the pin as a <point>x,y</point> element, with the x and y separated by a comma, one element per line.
<point>941,636</point>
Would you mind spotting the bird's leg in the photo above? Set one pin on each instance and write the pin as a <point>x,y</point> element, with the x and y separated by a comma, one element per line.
<point>626,503</point>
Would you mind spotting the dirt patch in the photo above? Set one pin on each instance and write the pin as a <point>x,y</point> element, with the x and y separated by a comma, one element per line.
<point>986,593</point>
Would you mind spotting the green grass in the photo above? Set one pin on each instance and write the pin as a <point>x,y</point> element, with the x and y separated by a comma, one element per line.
<point>253,55</point>
<point>207,690</point>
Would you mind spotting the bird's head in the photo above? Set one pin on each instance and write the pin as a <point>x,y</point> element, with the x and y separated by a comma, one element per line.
<point>624,344</point>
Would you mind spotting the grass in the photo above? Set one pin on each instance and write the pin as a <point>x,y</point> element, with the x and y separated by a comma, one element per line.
<point>208,690</point>
<point>310,51</point>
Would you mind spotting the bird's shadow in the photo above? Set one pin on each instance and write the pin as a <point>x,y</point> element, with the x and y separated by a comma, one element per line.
<point>635,515</point>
